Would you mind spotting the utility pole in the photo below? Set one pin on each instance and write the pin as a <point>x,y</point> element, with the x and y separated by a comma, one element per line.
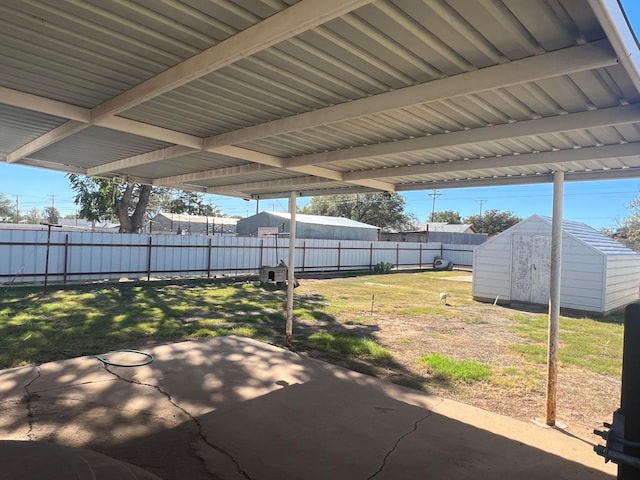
<point>481,202</point>
<point>17,209</point>
<point>434,195</point>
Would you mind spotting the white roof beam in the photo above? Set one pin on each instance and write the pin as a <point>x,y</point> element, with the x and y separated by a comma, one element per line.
<point>287,185</point>
<point>563,123</point>
<point>214,173</point>
<point>142,159</point>
<point>40,104</point>
<point>288,23</point>
<point>282,26</point>
<point>522,160</point>
<point>63,131</point>
<point>561,62</point>
<point>36,103</point>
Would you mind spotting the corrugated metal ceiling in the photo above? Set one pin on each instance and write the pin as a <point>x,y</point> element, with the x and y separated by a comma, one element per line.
<point>323,98</point>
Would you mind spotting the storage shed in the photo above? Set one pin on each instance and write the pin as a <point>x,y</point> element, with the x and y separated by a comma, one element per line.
<point>598,274</point>
<point>309,226</point>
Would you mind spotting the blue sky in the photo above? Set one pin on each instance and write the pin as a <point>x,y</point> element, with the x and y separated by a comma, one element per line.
<point>597,203</point>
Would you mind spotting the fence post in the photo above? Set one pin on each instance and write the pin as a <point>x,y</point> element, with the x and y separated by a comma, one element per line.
<point>149,260</point>
<point>420,258</point>
<point>441,250</point>
<point>304,253</point>
<point>66,256</point>
<point>371,256</point>
<point>339,252</point>
<point>261,249</point>
<point>397,256</point>
<point>209,259</point>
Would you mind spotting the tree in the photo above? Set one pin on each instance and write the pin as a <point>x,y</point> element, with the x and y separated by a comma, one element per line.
<point>51,214</point>
<point>192,203</point>
<point>33,216</point>
<point>99,197</point>
<point>384,210</point>
<point>492,221</point>
<point>7,209</point>
<point>448,216</point>
<point>629,227</point>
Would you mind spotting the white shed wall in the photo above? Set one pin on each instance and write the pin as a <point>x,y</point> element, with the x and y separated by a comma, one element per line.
<point>492,269</point>
<point>622,280</point>
<point>582,277</point>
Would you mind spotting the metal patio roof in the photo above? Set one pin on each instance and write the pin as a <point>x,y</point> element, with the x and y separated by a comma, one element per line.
<point>259,98</point>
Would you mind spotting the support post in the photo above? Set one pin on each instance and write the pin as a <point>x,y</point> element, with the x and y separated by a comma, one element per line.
<point>149,259</point>
<point>209,258</point>
<point>66,257</point>
<point>371,256</point>
<point>46,262</point>
<point>291,280</point>
<point>554,298</point>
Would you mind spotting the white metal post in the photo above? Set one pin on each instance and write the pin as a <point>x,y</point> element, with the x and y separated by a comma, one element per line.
<point>554,297</point>
<point>291,265</point>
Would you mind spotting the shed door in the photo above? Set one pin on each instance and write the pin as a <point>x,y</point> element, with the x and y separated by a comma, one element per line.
<point>530,268</point>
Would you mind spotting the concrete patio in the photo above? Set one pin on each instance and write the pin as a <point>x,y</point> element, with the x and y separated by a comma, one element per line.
<point>235,408</point>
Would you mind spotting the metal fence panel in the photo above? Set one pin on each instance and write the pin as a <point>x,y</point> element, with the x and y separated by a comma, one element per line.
<point>85,256</point>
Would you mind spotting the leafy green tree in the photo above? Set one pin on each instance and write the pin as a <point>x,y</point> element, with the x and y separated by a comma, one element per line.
<point>384,210</point>
<point>7,208</point>
<point>33,216</point>
<point>51,214</point>
<point>192,203</point>
<point>492,221</point>
<point>629,226</point>
<point>448,216</point>
<point>98,198</point>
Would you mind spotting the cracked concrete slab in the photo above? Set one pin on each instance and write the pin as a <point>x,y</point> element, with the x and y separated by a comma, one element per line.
<point>236,408</point>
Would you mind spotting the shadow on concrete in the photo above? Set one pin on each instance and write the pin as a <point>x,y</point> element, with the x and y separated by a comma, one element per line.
<point>235,408</point>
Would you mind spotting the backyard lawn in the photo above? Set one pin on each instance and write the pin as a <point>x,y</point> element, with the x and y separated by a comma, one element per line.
<point>392,326</point>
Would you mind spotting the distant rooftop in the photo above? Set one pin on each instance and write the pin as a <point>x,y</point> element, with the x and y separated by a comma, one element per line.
<point>323,220</point>
<point>182,217</point>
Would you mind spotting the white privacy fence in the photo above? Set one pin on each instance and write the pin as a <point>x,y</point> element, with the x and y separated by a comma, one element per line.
<point>87,256</point>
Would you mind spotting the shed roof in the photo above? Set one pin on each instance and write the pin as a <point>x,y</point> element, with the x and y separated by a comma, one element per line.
<point>591,237</point>
<point>257,99</point>
<point>323,220</point>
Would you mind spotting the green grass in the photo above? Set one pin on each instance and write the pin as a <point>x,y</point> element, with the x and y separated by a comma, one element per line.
<point>35,328</point>
<point>587,343</point>
<point>348,345</point>
<point>460,370</point>
<point>330,316</point>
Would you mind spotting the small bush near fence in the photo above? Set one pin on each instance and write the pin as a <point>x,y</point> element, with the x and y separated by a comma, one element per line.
<point>383,267</point>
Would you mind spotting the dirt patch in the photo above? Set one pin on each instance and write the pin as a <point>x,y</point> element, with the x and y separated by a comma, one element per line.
<point>584,399</point>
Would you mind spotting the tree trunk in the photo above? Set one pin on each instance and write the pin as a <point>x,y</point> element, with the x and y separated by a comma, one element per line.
<point>132,223</point>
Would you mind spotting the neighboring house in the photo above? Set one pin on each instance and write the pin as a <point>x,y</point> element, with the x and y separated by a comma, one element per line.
<point>181,224</point>
<point>442,232</point>
<point>307,226</point>
<point>598,274</point>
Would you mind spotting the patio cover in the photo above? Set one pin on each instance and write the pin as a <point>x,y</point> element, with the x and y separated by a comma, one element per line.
<point>260,98</point>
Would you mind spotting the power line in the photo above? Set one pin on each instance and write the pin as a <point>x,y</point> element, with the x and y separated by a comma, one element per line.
<point>481,202</point>
<point>434,194</point>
